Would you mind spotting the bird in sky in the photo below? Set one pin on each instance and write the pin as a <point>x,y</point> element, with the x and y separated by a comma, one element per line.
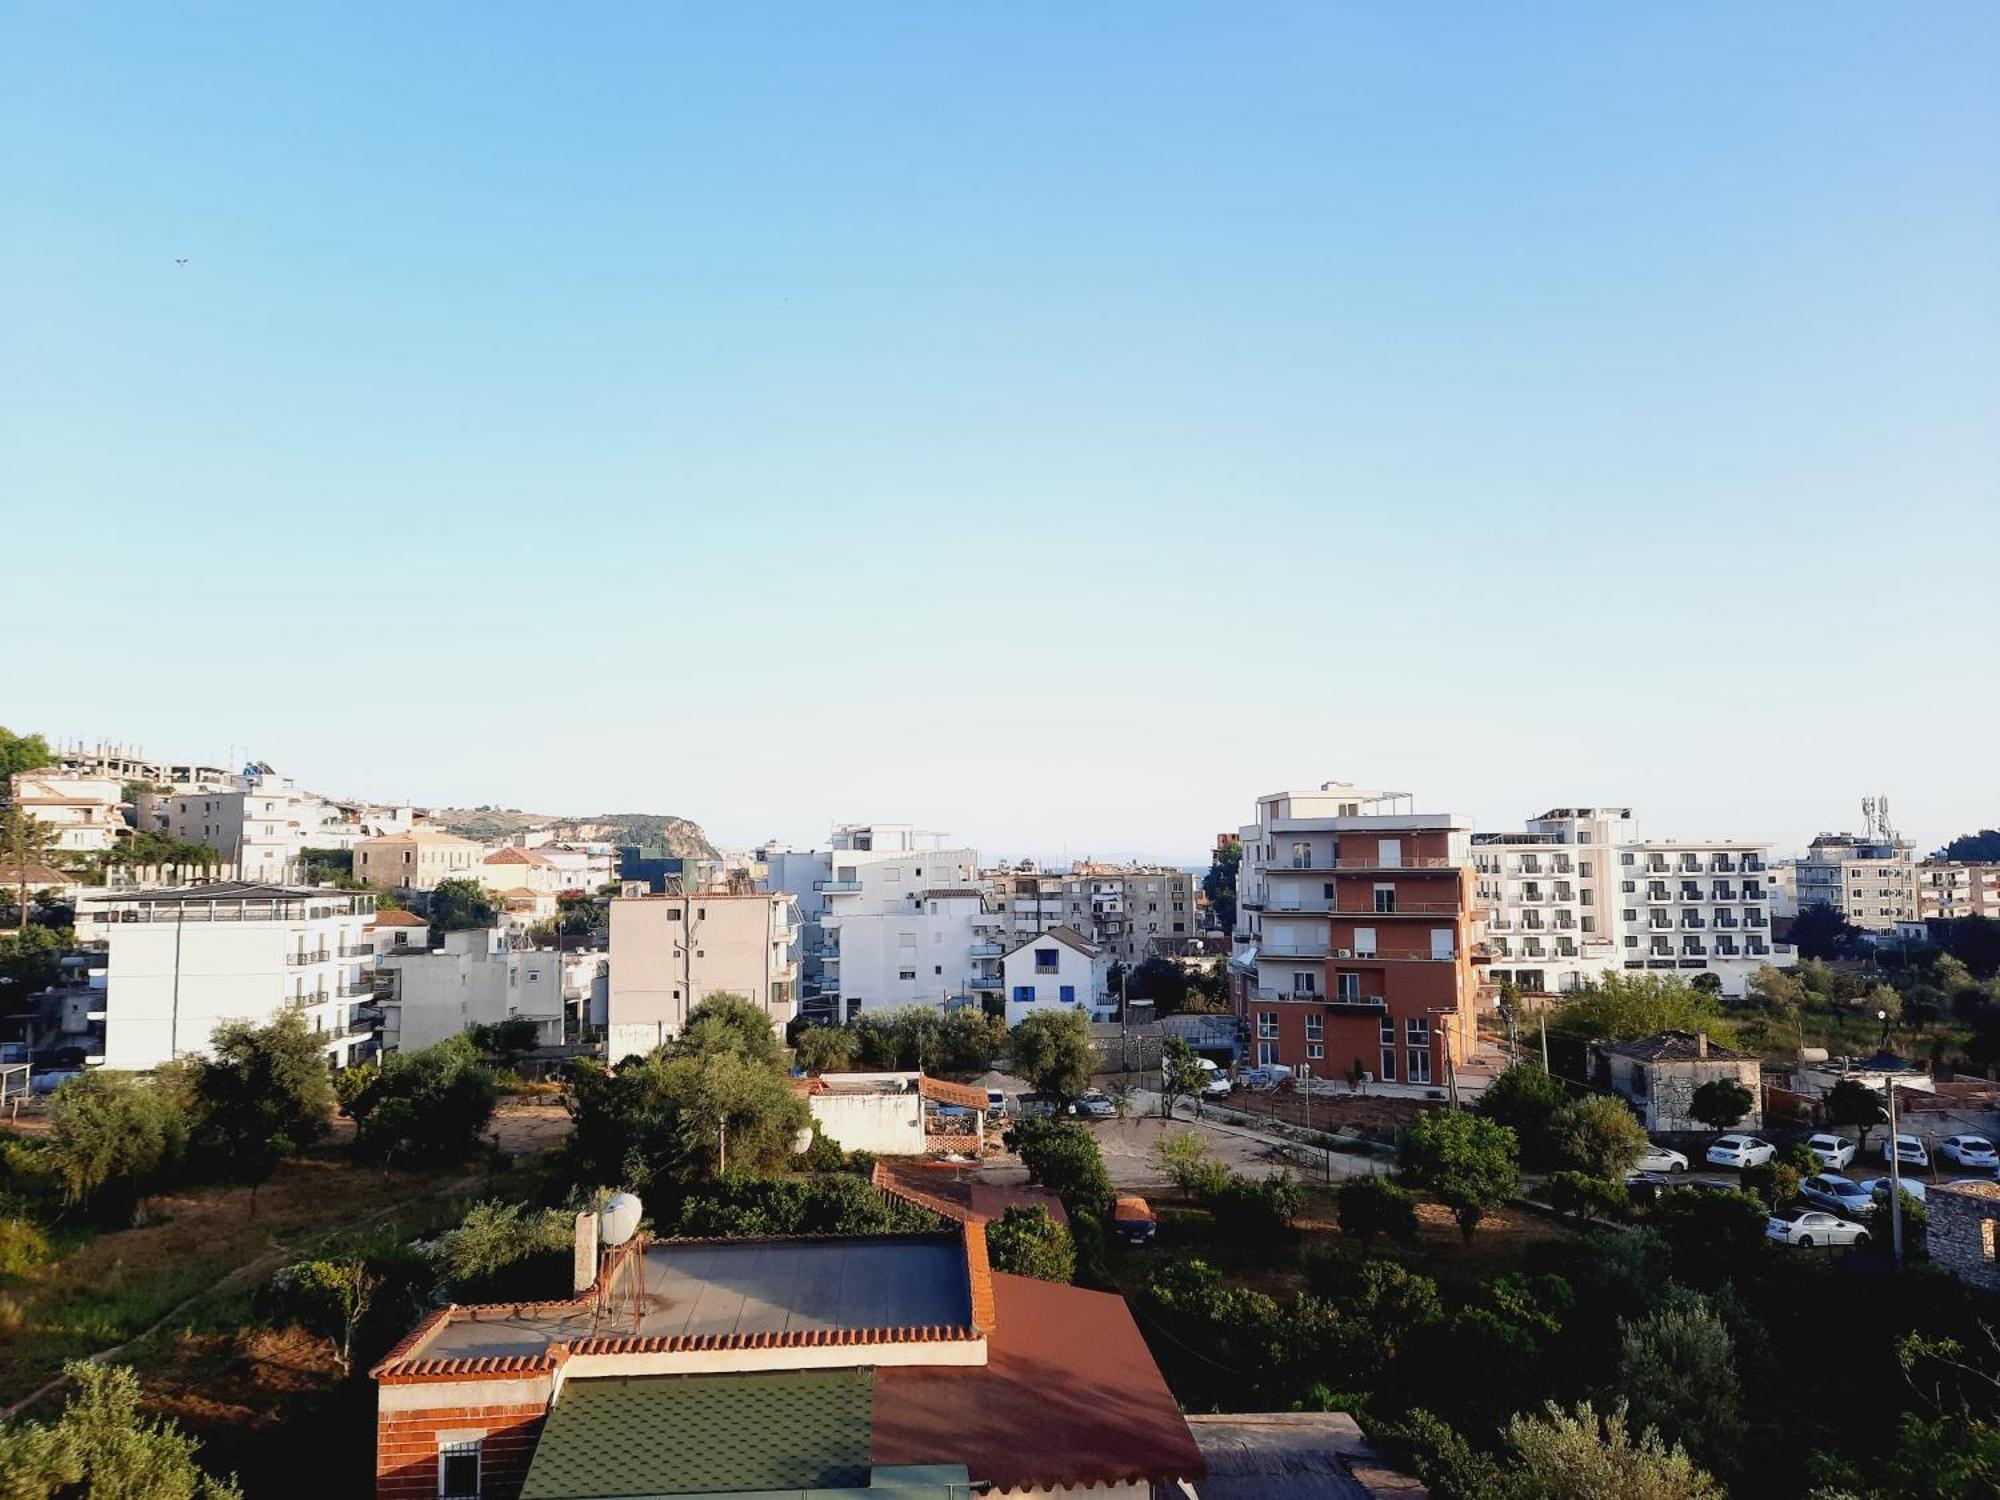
<point>180,260</point>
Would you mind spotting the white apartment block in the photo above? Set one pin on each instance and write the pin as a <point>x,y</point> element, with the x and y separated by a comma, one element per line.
<point>1954,888</point>
<point>83,809</point>
<point>417,860</point>
<point>1870,879</point>
<point>669,953</point>
<point>889,922</point>
<point>181,962</point>
<point>474,979</point>
<point>1579,893</point>
<point>259,821</point>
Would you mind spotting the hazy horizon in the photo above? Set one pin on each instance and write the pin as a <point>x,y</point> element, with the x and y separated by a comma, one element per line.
<point>1055,427</point>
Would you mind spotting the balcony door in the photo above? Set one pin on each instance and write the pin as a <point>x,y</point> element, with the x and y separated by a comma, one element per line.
<point>1390,854</point>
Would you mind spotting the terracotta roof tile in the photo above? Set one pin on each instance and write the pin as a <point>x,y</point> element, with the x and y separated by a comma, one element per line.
<point>964,1095</point>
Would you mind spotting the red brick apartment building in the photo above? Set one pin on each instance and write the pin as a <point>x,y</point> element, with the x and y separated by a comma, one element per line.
<point>1356,936</point>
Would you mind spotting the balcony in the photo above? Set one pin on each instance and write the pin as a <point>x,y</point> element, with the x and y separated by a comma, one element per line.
<point>988,950</point>
<point>984,983</point>
<point>363,951</point>
<point>1722,893</point>
<point>1401,908</point>
<point>1411,862</point>
<point>1292,950</point>
<point>837,887</point>
<point>299,960</point>
<point>353,991</point>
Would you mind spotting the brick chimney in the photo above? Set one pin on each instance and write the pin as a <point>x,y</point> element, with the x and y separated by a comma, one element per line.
<point>1701,1044</point>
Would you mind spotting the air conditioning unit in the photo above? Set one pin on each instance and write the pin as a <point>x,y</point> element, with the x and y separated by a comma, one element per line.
<point>1378,1000</point>
<point>1342,953</point>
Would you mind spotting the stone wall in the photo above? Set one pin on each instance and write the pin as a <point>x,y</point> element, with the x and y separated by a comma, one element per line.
<point>1964,1232</point>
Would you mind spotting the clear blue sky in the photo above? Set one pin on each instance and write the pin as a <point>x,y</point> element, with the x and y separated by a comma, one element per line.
<point>1056,424</point>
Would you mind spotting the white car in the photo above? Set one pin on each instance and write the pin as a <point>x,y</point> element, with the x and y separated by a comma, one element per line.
<point>1806,1227</point>
<point>1095,1106</point>
<point>1969,1151</point>
<point>1740,1151</point>
<point>1833,1151</point>
<point>1907,1149</point>
<point>1660,1159</point>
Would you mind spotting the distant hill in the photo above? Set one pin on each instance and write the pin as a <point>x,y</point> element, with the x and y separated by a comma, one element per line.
<point>679,835</point>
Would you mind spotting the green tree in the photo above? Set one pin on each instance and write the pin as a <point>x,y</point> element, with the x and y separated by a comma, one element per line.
<point>1219,884</point>
<point>1587,1195</point>
<point>1051,1049</point>
<point>1530,1103</point>
<point>1029,1242</point>
<point>425,1106</point>
<point>1369,1206</point>
<point>1560,1456</point>
<point>1466,1162</point>
<point>1714,1237</point>
<point>1063,1157</point>
<point>114,1137</point>
<point>1720,1103</point>
<point>31,959</point>
<point>1677,1367</point>
<point>329,1298</point>
<point>461,906</point>
<point>1782,994</point>
<point>25,841</point>
<point>1621,1007</point>
<point>1600,1136</point>
<point>1184,1158</point>
<point>104,1447</point>
<point>733,1111</point>
<point>504,1043</point>
<point>730,1023</point>
<point>1162,981</point>
<point>824,1049</point>
<point>1852,1103</point>
<point>22,752</point>
<point>1181,1073</point>
<point>260,1083</point>
<point>742,1206</point>
<point>1819,931</point>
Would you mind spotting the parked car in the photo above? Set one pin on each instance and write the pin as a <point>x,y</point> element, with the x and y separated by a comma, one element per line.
<point>1806,1227</point>
<point>1740,1151</point>
<point>1907,1149</point>
<point>996,1104</point>
<point>1834,1151</point>
<point>1644,1187</point>
<point>1215,1083</point>
<point>1878,1188</point>
<point>1132,1220</point>
<point>1264,1076</point>
<point>1660,1159</point>
<point>1969,1151</point>
<point>1841,1195</point>
<point>1094,1106</point>
<point>1036,1106</point>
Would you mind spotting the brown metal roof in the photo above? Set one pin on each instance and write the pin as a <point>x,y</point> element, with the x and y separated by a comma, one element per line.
<point>964,1095</point>
<point>960,1195</point>
<point>1069,1395</point>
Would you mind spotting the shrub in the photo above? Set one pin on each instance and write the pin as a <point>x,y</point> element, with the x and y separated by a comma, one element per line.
<point>425,1106</point>
<point>1599,1136</point>
<point>1028,1242</point>
<point>23,1246</point>
<point>1588,1197</point>
<point>1257,1206</point>
<point>1468,1162</point>
<point>1063,1157</point>
<point>1185,1159</point>
<point>1369,1206</point>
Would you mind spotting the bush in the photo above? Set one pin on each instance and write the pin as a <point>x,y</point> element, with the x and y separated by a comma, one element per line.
<point>1529,1102</point>
<point>1466,1161</point>
<point>1185,1159</point>
<point>1028,1242</point>
<point>740,1206</point>
<point>1063,1157</point>
<point>502,1251</point>
<point>112,1138</point>
<point>426,1106</point>
<point>23,1245</point>
<point>823,1155</point>
<point>1599,1136</point>
<point>1256,1206</point>
<point>1369,1206</point>
<point>1588,1197</point>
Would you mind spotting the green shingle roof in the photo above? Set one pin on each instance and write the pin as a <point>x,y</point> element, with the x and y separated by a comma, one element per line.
<point>704,1435</point>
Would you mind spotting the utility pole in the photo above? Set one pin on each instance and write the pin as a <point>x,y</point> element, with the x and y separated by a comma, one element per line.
<point>1895,1168</point>
<point>1543,1014</point>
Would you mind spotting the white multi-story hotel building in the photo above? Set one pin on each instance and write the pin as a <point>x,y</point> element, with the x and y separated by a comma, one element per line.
<point>890,923</point>
<point>1579,892</point>
<point>180,962</point>
<point>259,821</point>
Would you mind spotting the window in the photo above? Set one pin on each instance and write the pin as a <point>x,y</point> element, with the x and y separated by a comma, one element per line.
<point>1385,898</point>
<point>1583,870</point>
<point>458,1471</point>
<point>1068,994</point>
<point>1417,1030</point>
<point>1267,1054</point>
<point>1047,960</point>
<point>1315,1028</point>
<point>1302,854</point>
<point>1326,891</point>
<point>1267,1025</point>
<point>1024,992</point>
<point>1315,1051</point>
<point>1347,988</point>
<point>1388,1070</point>
<point>1305,984</point>
<point>906,973</point>
<point>1364,942</point>
<point>1420,1065</point>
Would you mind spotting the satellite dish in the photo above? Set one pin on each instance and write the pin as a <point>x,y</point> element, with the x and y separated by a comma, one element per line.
<point>619,1219</point>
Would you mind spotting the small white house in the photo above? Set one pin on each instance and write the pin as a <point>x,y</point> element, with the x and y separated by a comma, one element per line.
<point>1060,968</point>
<point>897,1114</point>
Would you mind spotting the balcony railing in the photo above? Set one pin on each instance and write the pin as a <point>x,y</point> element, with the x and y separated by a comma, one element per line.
<point>298,960</point>
<point>984,982</point>
<point>1408,862</point>
<point>359,951</point>
<point>837,887</point>
<point>1292,950</point>
<point>987,950</point>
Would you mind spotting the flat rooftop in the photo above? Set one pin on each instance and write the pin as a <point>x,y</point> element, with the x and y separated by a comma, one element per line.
<point>739,1287</point>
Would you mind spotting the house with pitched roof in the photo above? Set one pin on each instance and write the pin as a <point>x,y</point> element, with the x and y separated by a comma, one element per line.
<point>1059,969</point>
<point>870,1365</point>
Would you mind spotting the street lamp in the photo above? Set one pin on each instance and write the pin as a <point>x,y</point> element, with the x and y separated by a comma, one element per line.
<point>1895,1159</point>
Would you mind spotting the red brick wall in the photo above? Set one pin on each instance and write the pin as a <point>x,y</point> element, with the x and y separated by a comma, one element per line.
<point>406,1447</point>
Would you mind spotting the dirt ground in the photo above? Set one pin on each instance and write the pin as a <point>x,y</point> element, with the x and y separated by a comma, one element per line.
<point>1127,1146</point>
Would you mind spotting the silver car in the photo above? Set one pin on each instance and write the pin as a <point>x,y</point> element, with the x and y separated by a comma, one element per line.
<point>1806,1227</point>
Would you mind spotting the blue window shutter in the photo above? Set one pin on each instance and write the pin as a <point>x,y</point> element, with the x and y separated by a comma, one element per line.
<point>1069,992</point>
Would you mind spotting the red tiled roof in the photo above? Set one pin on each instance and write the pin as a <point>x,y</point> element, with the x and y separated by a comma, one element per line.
<point>965,1198</point>
<point>964,1095</point>
<point>38,874</point>
<point>395,916</point>
<point>1069,1395</point>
